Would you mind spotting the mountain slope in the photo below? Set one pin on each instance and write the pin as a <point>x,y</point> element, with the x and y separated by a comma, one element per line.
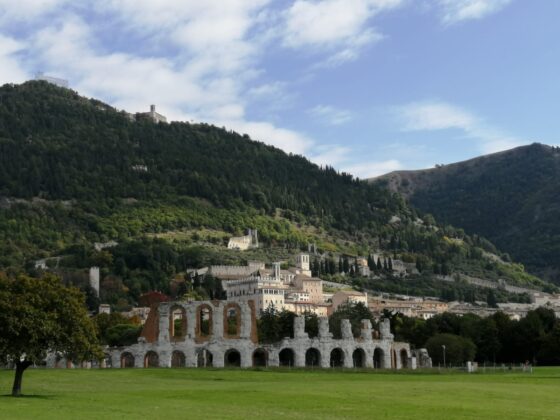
<point>512,198</point>
<point>74,171</point>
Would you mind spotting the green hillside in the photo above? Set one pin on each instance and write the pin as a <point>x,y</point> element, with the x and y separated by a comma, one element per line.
<point>74,171</point>
<point>511,198</point>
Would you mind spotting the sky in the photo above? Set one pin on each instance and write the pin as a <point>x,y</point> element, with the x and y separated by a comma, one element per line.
<point>365,86</point>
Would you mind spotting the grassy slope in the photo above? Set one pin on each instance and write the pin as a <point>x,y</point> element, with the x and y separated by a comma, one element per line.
<point>235,394</point>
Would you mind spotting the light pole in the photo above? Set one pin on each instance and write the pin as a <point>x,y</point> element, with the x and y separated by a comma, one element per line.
<point>443,347</point>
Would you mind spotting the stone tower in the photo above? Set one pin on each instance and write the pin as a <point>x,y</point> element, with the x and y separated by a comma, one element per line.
<point>94,279</point>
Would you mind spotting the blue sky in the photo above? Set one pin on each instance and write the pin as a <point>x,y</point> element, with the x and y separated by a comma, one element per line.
<point>366,86</point>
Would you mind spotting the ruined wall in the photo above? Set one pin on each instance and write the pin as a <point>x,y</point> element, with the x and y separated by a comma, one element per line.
<point>204,336</point>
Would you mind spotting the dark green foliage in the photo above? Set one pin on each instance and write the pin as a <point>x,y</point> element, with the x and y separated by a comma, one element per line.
<point>355,313</point>
<point>458,350</point>
<point>123,334</point>
<point>311,324</point>
<point>497,338</point>
<point>274,325</point>
<point>104,322</point>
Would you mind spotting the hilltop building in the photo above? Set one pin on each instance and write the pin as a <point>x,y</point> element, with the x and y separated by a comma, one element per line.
<point>52,80</point>
<point>151,115</point>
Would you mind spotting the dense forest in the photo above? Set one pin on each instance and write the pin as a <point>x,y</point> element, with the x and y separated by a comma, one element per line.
<point>511,198</point>
<point>74,171</point>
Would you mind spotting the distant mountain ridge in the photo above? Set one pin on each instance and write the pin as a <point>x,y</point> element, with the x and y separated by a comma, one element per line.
<point>510,197</point>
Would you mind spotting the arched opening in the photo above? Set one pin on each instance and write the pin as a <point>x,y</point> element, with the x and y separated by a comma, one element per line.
<point>204,322</point>
<point>393,359</point>
<point>312,357</point>
<point>178,359</point>
<point>106,362</point>
<point>260,357</point>
<point>177,323</point>
<point>232,321</point>
<point>127,360</point>
<point>204,358</point>
<point>232,358</point>
<point>359,358</point>
<point>151,360</point>
<point>378,356</point>
<point>404,359</point>
<point>286,357</point>
<point>337,358</point>
<point>60,361</point>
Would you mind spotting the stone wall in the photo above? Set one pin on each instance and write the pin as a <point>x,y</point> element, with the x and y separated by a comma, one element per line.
<point>198,334</point>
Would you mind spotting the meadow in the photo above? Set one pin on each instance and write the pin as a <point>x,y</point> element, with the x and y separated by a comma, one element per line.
<point>297,394</point>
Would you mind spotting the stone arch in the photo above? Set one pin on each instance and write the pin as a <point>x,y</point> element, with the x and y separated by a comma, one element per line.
<point>312,357</point>
<point>203,322</point>
<point>393,359</point>
<point>359,358</point>
<point>232,320</point>
<point>204,358</point>
<point>378,358</point>
<point>286,357</point>
<point>178,359</point>
<point>260,357</point>
<point>107,361</point>
<point>404,358</point>
<point>232,358</point>
<point>127,360</point>
<point>337,357</point>
<point>151,359</point>
<point>177,323</point>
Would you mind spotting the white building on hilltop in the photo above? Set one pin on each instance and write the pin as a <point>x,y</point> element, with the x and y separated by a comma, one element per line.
<point>52,80</point>
<point>151,115</point>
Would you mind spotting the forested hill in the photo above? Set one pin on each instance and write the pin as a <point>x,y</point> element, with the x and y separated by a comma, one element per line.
<point>57,145</point>
<point>512,198</point>
<point>74,171</point>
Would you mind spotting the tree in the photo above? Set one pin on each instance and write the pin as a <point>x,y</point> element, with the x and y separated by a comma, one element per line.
<point>353,312</point>
<point>458,350</point>
<point>491,299</point>
<point>40,315</point>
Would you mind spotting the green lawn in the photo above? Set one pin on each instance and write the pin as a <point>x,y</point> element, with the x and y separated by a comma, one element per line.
<point>242,394</point>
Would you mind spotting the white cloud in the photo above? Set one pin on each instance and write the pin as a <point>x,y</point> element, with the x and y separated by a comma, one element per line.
<point>331,115</point>
<point>367,170</point>
<point>339,26</point>
<point>332,155</point>
<point>433,116</point>
<point>10,69</point>
<point>454,11</point>
<point>27,10</point>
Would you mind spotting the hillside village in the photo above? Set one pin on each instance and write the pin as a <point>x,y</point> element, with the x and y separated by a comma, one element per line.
<point>295,289</point>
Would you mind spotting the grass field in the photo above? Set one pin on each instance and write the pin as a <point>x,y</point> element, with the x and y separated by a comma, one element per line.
<point>243,394</point>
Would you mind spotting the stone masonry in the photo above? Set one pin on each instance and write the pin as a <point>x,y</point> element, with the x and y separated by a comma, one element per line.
<point>222,333</point>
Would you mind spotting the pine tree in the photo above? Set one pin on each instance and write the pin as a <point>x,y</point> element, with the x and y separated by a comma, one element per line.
<point>379,265</point>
